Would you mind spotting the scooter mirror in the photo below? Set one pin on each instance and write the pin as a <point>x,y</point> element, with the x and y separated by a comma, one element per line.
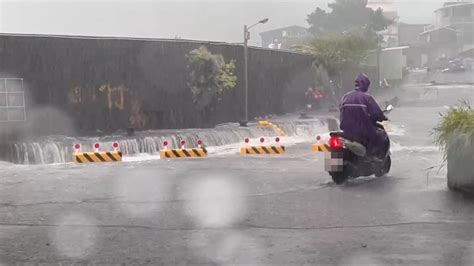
<point>389,108</point>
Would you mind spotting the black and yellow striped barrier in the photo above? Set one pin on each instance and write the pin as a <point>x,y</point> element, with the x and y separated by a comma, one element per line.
<point>183,153</point>
<point>97,157</point>
<point>260,150</point>
<point>321,148</point>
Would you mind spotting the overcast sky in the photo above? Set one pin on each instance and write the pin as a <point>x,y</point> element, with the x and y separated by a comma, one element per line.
<point>219,20</point>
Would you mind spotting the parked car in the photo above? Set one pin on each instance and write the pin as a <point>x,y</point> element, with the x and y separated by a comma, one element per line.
<point>455,66</point>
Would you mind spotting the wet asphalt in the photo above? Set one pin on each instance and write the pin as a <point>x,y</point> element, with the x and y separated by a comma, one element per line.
<point>231,209</point>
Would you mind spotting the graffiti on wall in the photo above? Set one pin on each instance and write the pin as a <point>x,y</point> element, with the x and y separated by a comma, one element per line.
<point>75,95</point>
<point>115,98</point>
<point>137,119</point>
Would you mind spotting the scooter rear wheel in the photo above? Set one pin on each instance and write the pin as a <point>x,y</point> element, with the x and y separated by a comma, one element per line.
<point>339,177</point>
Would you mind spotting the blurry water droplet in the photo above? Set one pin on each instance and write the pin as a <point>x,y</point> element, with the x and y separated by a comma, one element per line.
<point>75,236</point>
<point>227,247</point>
<point>215,201</point>
<point>140,191</point>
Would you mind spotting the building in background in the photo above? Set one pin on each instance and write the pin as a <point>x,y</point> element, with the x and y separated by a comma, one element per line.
<point>452,32</point>
<point>284,38</point>
<point>391,63</point>
<point>390,59</point>
<point>450,36</point>
<point>409,35</point>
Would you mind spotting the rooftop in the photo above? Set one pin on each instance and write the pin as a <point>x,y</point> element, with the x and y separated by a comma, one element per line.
<point>454,4</point>
<point>124,38</point>
<point>294,27</point>
<point>438,29</point>
<point>403,24</point>
<point>77,37</point>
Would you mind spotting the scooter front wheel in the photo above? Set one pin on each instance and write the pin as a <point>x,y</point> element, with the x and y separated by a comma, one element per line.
<point>385,168</point>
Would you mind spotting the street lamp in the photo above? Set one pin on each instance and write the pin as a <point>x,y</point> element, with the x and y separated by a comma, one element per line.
<point>246,80</point>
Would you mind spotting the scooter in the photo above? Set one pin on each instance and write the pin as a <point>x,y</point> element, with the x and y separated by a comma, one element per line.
<point>348,159</point>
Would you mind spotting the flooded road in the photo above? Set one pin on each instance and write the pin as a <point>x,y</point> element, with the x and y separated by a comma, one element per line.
<point>229,209</point>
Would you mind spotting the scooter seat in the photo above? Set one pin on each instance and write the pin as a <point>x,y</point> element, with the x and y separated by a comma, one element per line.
<point>356,148</point>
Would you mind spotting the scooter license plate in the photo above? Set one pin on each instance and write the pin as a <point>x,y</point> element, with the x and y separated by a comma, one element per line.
<point>334,161</point>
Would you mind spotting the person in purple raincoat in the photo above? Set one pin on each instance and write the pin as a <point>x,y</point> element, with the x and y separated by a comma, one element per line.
<point>359,115</point>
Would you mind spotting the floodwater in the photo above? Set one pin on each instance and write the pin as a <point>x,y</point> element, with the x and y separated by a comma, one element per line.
<point>231,209</point>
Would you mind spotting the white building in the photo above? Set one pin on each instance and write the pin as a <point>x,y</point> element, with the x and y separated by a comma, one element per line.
<point>452,32</point>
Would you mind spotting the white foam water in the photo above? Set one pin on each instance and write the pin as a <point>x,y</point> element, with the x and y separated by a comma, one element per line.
<point>221,140</point>
<point>397,147</point>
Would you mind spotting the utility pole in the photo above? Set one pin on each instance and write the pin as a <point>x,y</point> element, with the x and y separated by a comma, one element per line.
<point>246,72</point>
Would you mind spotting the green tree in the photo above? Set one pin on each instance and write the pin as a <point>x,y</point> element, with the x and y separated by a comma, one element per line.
<point>347,16</point>
<point>337,53</point>
<point>208,77</point>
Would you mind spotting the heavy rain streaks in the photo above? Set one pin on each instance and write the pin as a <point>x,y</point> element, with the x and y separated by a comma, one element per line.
<point>153,80</point>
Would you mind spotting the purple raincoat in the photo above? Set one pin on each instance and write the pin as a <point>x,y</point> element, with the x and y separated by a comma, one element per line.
<point>359,114</point>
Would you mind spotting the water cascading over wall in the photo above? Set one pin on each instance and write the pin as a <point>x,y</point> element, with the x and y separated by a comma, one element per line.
<point>58,149</point>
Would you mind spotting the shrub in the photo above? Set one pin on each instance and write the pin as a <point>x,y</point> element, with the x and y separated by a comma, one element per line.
<point>209,76</point>
<point>457,124</point>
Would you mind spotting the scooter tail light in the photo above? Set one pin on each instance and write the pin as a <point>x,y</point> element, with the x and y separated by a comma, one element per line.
<point>335,143</point>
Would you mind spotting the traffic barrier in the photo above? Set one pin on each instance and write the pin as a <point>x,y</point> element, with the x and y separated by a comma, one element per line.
<point>199,152</point>
<point>261,150</point>
<point>97,156</point>
<point>275,127</point>
<point>319,147</point>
